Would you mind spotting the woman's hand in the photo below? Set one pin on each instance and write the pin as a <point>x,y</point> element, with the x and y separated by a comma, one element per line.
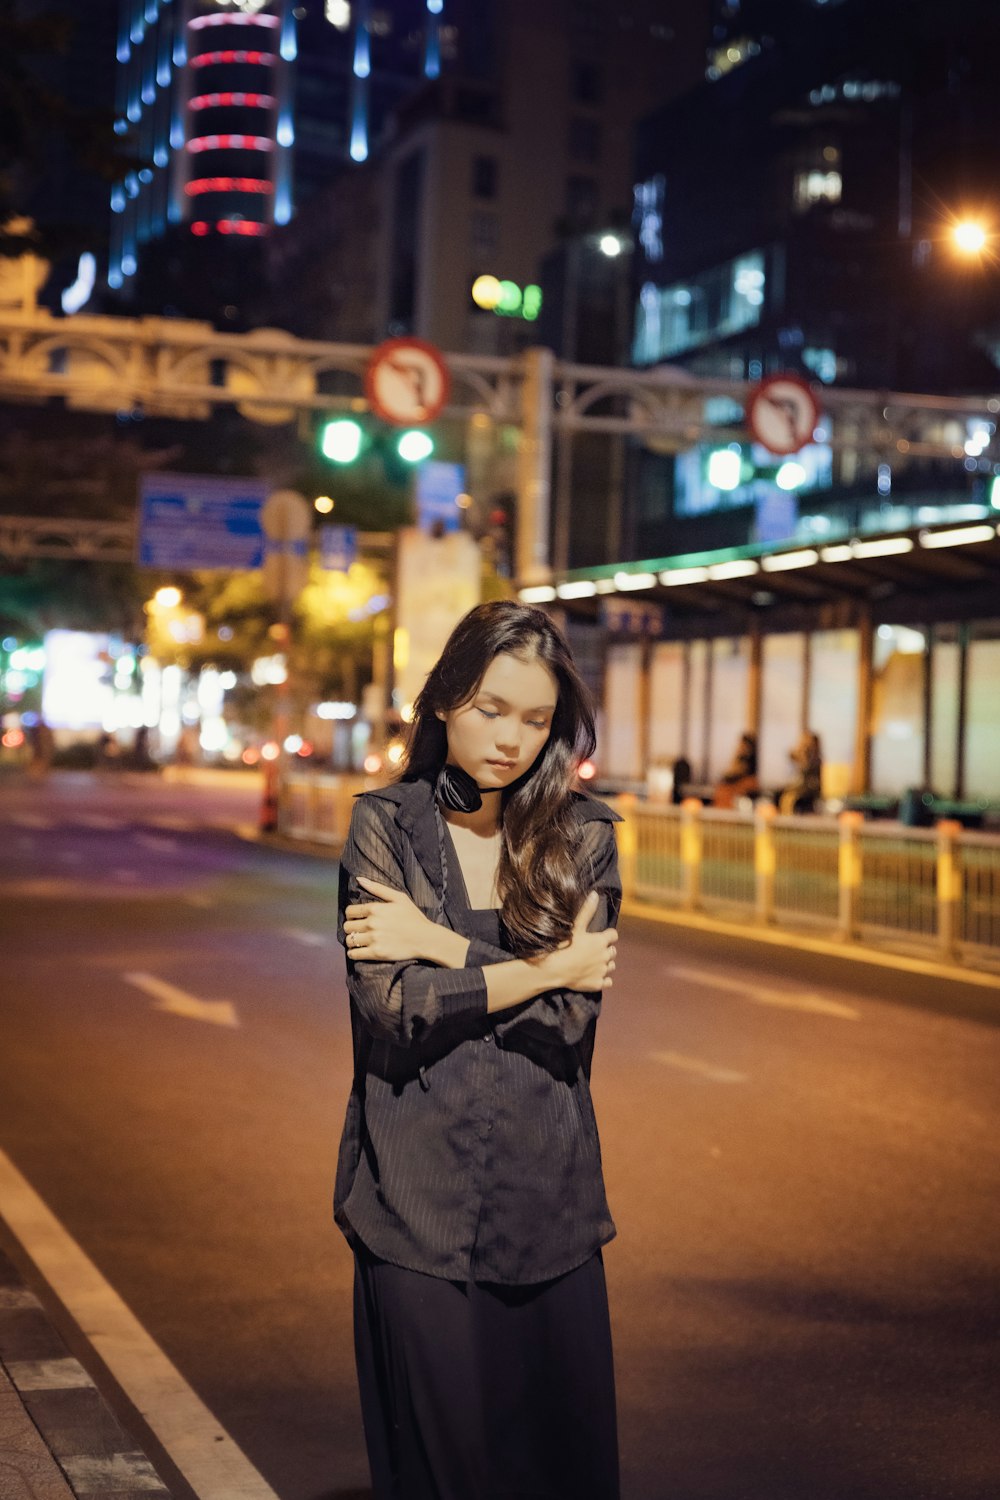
<point>587,960</point>
<point>388,927</point>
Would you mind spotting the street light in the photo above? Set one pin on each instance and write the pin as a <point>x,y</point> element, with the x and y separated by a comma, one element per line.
<point>969,236</point>
<point>167,597</point>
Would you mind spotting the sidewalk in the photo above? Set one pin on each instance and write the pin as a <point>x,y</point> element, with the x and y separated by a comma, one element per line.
<point>59,1439</point>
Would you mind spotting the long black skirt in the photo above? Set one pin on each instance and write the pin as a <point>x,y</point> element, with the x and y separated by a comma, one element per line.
<point>480,1391</point>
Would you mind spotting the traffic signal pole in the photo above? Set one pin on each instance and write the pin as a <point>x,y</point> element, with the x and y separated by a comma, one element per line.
<point>534,470</point>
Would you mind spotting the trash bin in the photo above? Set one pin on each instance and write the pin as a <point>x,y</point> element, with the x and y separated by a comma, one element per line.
<point>916,807</point>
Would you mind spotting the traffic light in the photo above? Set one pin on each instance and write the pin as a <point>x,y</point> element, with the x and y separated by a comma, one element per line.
<point>414,445</point>
<point>724,468</point>
<point>341,440</point>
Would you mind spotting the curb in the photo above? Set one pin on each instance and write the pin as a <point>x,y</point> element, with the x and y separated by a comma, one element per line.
<point>778,938</point>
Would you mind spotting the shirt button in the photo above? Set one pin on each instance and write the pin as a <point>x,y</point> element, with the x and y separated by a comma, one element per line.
<point>488,1037</point>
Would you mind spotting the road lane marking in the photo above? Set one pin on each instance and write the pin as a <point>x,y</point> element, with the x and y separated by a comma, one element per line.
<point>760,994</point>
<point>122,874</point>
<point>310,939</point>
<point>172,821</point>
<point>700,1069</point>
<point>101,821</point>
<point>178,1002</point>
<point>157,842</point>
<point>31,820</point>
<point>198,1445</point>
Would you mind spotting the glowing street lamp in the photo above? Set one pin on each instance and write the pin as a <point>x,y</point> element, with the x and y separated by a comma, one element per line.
<point>969,236</point>
<point>167,597</point>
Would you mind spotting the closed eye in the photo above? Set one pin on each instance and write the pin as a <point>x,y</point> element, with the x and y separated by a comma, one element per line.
<point>533,722</point>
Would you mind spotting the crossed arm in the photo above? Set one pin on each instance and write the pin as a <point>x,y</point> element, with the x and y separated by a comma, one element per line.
<point>419,973</point>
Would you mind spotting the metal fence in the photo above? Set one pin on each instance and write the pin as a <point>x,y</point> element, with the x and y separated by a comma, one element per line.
<point>938,888</point>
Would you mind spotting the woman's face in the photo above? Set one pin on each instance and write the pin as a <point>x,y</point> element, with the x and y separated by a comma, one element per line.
<point>500,732</point>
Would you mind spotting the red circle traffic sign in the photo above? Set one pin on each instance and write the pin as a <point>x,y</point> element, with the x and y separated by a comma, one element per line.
<point>782,414</point>
<point>407,382</point>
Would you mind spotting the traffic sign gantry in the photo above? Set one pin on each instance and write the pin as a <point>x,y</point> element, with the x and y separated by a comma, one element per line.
<point>782,414</point>
<point>407,382</point>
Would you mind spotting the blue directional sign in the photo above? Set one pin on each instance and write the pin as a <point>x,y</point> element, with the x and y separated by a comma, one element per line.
<point>438,486</point>
<point>191,521</point>
<point>338,547</point>
<point>777,516</point>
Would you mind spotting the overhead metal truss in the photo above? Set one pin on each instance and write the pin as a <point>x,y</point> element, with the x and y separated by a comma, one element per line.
<point>87,541</point>
<point>174,368</point>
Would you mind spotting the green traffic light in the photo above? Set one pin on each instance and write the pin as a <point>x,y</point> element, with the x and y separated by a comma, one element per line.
<point>414,446</point>
<point>341,440</point>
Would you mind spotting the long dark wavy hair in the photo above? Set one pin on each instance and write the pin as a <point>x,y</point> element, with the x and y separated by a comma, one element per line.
<point>539,883</point>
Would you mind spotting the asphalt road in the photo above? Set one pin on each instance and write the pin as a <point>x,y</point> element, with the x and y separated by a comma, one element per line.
<point>801,1156</point>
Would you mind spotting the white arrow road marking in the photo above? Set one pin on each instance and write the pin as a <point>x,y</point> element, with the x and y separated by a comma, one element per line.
<point>760,994</point>
<point>179,1003</point>
<point>700,1069</point>
<point>214,1467</point>
<point>311,939</point>
<point>157,842</point>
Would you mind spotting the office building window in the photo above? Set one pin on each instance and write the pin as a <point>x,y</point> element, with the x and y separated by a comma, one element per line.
<point>484,238</point>
<point>672,320</point>
<point>485,176</point>
<point>816,186</point>
<point>584,138</point>
<point>581,201</point>
<point>586,83</point>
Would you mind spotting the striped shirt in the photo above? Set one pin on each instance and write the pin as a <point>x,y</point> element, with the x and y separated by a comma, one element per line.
<point>470,1149</point>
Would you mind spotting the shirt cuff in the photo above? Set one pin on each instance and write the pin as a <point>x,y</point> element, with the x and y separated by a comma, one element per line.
<point>431,996</point>
<point>481,953</point>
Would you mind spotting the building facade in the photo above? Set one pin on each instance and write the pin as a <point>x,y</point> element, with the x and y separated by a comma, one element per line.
<point>798,213</point>
<point>523,142</point>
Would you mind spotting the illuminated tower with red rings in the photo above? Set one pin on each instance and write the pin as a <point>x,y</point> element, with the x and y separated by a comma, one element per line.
<point>233,173</point>
<point>204,104</point>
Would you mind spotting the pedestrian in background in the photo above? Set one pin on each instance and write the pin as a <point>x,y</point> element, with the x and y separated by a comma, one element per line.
<point>803,793</point>
<point>478,899</point>
<point>740,780</point>
<point>42,748</point>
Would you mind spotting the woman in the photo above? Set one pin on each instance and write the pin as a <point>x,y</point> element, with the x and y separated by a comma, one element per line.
<point>804,793</point>
<point>478,897</point>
